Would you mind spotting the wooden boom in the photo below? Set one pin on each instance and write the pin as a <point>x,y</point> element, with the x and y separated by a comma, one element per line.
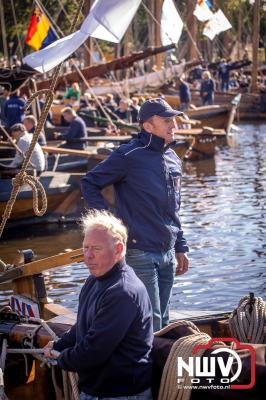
<point>37,267</point>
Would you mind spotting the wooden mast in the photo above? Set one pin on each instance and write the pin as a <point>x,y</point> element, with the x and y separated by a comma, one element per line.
<point>239,31</point>
<point>3,26</point>
<point>192,26</point>
<point>158,13</point>
<point>88,54</point>
<point>151,26</point>
<point>255,45</point>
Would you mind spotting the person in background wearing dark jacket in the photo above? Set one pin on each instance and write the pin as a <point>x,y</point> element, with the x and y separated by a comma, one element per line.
<point>184,93</point>
<point>76,131</point>
<point>207,89</point>
<point>110,344</point>
<point>4,96</point>
<point>146,175</point>
<point>14,109</point>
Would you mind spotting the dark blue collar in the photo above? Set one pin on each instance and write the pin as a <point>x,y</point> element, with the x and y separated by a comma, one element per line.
<point>116,268</point>
<point>153,142</point>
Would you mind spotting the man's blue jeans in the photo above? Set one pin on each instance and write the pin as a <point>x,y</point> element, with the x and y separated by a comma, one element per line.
<point>146,395</point>
<point>157,271</point>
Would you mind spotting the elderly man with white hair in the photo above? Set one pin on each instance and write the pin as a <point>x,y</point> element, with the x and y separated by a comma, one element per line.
<point>110,344</point>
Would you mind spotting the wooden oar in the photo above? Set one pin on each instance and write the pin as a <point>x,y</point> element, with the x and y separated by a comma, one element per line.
<point>73,152</point>
<point>106,138</point>
<point>36,267</point>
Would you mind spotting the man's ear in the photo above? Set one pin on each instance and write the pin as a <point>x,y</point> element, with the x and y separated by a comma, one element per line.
<point>119,249</point>
<point>147,126</point>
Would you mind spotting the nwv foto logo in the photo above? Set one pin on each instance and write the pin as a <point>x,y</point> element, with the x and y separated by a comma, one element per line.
<point>197,367</point>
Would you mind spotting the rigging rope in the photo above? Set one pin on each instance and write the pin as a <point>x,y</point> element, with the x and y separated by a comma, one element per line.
<point>22,176</point>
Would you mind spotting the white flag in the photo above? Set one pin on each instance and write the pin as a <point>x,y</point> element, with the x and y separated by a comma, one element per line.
<point>222,22</point>
<point>219,23</point>
<point>171,23</point>
<point>210,29</point>
<point>202,12</point>
<point>106,20</point>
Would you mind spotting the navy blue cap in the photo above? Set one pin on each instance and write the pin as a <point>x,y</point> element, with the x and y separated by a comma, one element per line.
<point>157,107</point>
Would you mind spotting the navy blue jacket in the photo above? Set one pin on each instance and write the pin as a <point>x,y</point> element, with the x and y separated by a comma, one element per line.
<point>207,87</point>
<point>77,130</point>
<point>14,110</point>
<point>146,178</point>
<point>184,93</point>
<point>224,71</point>
<point>110,344</point>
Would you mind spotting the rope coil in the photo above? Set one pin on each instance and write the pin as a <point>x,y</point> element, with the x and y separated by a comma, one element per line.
<point>248,320</point>
<point>169,389</point>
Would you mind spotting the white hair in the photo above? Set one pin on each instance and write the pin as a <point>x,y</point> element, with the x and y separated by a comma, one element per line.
<point>104,220</point>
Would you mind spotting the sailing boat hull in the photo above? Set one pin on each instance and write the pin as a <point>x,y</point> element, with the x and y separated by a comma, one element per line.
<point>63,199</point>
<point>252,106</point>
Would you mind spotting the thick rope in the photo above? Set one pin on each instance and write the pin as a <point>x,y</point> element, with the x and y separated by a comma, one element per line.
<point>248,320</point>
<point>2,369</point>
<point>20,178</point>
<point>3,396</point>
<point>183,347</point>
<point>73,378</point>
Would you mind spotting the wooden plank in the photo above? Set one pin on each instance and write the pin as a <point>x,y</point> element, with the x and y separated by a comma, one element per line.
<point>44,264</point>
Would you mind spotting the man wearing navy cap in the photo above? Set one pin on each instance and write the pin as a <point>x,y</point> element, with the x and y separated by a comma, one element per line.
<point>146,176</point>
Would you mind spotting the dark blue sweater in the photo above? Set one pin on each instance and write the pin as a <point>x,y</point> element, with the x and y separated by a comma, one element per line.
<point>110,345</point>
<point>147,178</point>
<point>184,93</point>
<point>77,130</point>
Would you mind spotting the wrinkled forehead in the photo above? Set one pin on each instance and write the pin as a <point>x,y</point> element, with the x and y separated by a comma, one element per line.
<point>97,235</point>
